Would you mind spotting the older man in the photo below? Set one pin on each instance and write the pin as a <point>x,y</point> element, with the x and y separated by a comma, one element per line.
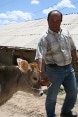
<point>54,59</point>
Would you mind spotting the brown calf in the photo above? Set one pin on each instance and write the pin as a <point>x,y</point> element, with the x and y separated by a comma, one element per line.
<point>24,77</point>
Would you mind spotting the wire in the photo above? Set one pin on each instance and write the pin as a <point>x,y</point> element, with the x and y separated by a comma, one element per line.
<point>54,5</point>
<point>73,3</point>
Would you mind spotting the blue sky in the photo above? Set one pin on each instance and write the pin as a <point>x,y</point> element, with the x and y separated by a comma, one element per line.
<point>12,11</point>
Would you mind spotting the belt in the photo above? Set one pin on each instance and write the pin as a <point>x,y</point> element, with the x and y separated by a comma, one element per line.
<point>52,65</point>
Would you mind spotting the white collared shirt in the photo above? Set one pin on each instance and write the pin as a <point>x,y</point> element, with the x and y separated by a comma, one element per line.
<point>55,47</point>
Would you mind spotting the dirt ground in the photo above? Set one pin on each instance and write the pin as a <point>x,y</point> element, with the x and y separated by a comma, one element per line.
<point>26,105</point>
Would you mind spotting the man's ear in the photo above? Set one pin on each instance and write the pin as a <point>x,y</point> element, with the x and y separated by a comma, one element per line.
<point>23,65</point>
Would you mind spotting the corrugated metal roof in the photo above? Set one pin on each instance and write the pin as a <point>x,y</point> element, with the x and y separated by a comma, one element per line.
<point>26,34</point>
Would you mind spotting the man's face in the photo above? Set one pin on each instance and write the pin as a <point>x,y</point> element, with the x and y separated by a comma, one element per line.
<point>54,21</point>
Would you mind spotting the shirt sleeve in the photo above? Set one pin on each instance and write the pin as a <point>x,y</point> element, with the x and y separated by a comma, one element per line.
<point>73,46</point>
<point>41,48</point>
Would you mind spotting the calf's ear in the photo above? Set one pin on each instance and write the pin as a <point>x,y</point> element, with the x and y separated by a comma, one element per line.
<point>23,64</point>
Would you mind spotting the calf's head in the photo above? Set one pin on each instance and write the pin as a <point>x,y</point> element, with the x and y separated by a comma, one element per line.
<point>33,80</point>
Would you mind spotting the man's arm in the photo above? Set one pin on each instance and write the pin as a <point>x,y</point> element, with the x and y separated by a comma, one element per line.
<point>74,54</point>
<point>41,64</point>
<point>44,78</point>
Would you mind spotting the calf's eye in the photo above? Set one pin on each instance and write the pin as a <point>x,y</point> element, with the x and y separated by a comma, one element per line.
<point>34,78</point>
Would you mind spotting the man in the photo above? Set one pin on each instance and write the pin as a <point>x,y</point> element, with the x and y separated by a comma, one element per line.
<point>54,59</point>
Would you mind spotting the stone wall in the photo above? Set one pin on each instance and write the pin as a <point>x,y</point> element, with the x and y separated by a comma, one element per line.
<point>8,55</point>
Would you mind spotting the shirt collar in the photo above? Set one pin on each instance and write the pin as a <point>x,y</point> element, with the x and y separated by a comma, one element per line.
<point>54,32</point>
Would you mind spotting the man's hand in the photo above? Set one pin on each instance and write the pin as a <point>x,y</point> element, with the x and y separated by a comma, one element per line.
<point>44,79</point>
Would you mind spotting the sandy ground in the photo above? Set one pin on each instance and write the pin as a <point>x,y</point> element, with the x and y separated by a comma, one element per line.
<point>26,105</point>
